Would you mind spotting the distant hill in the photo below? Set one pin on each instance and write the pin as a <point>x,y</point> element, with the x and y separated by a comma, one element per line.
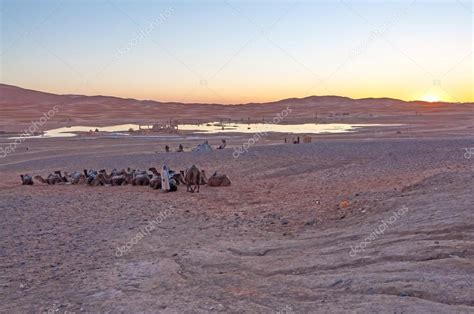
<point>24,105</point>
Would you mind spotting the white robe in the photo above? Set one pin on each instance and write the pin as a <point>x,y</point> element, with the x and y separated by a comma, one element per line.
<point>165,179</point>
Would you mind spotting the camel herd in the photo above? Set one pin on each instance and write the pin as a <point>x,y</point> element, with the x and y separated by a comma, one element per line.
<point>168,180</point>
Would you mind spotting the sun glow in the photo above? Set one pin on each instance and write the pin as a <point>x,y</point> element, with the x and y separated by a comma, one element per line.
<point>430,98</point>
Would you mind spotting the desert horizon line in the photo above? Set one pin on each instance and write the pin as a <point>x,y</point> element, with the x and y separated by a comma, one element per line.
<point>234,104</point>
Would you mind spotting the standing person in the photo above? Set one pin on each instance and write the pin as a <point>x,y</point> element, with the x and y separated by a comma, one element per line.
<point>167,148</point>
<point>165,179</point>
<point>223,145</point>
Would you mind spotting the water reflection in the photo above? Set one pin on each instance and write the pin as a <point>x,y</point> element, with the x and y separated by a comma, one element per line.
<point>73,130</point>
<point>310,128</point>
<point>216,127</point>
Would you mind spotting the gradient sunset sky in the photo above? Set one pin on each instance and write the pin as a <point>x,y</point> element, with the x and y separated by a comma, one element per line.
<point>240,51</point>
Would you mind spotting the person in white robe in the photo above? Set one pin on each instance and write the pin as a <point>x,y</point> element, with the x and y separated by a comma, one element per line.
<point>165,179</point>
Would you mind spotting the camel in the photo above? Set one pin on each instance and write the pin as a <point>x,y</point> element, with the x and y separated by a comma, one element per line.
<point>41,179</point>
<point>99,179</point>
<point>192,177</point>
<point>216,179</point>
<point>140,177</point>
<point>155,181</point>
<point>63,178</point>
<point>173,185</point>
<point>104,172</point>
<point>75,177</point>
<point>175,180</point>
<point>138,172</point>
<point>94,178</point>
<point>119,179</point>
<point>90,176</point>
<point>124,177</point>
<point>154,171</point>
<point>26,179</point>
<point>115,178</point>
<point>178,177</point>
<point>52,179</point>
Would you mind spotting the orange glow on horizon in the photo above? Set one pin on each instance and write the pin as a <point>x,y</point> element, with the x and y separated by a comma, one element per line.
<point>430,98</point>
<point>248,94</point>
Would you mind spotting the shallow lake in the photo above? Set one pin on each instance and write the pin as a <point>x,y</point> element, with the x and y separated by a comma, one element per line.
<point>311,128</point>
<point>217,127</point>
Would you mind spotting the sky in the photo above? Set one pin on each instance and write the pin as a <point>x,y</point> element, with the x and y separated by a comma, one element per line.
<point>240,51</point>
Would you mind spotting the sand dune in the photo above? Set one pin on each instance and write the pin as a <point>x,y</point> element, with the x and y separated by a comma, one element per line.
<point>20,107</point>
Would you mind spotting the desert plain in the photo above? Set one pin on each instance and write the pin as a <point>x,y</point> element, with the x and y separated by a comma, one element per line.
<point>379,220</point>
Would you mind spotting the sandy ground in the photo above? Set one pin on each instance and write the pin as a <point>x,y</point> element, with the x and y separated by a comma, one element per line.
<point>286,237</point>
<point>262,245</point>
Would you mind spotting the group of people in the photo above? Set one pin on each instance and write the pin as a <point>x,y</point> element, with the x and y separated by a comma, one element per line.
<point>180,148</point>
<point>295,141</point>
<point>205,144</point>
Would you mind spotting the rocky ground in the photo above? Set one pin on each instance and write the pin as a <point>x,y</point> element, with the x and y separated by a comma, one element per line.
<point>278,240</point>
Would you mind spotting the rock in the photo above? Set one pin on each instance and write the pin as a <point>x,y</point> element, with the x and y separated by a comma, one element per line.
<point>310,222</point>
<point>344,204</point>
<point>336,283</point>
<point>284,221</point>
